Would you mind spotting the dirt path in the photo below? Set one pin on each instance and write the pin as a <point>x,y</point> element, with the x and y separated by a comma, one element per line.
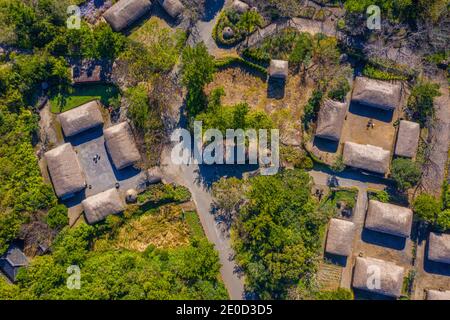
<point>188,176</point>
<point>434,170</point>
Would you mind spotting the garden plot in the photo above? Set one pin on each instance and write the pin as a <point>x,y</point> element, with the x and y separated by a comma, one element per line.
<point>243,85</point>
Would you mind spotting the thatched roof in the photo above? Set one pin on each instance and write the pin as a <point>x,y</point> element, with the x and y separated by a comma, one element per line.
<point>81,119</point>
<point>331,119</point>
<point>174,8</point>
<point>87,72</point>
<point>15,257</point>
<point>279,69</point>
<point>126,12</point>
<point>340,237</point>
<point>391,276</point>
<point>376,93</point>
<point>439,247</point>
<point>240,6</point>
<point>389,218</point>
<point>65,170</point>
<point>438,295</point>
<point>407,139</point>
<point>154,175</point>
<point>366,157</point>
<point>121,145</point>
<point>98,207</point>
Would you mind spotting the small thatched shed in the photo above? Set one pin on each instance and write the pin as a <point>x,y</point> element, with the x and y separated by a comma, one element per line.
<point>407,139</point>
<point>121,145</point>
<point>389,218</point>
<point>390,276</point>
<point>438,295</point>
<point>331,120</point>
<point>65,171</point>
<point>376,93</point>
<point>81,119</point>
<point>125,12</point>
<point>87,71</point>
<point>340,237</point>
<point>366,157</point>
<point>174,8</point>
<point>154,175</point>
<point>98,207</point>
<point>279,69</point>
<point>240,6</point>
<point>439,247</point>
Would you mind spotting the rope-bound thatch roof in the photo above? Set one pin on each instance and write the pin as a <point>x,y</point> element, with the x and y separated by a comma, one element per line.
<point>390,281</point>
<point>439,247</point>
<point>438,295</point>
<point>65,170</point>
<point>98,207</point>
<point>366,157</point>
<point>407,139</point>
<point>340,237</point>
<point>331,119</point>
<point>81,119</point>
<point>389,218</point>
<point>279,69</point>
<point>126,12</point>
<point>376,93</point>
<point>121,145</point>
<point>174,8</point>
<point>240,6</point>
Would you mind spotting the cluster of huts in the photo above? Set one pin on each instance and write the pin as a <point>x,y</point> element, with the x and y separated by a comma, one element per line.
<point>392,220</point>
<point>125,13</point>
<point>66,172</point>
<point>368,93</point>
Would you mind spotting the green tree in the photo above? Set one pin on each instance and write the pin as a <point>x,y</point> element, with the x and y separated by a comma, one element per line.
<point>57,217</point>
<point>427,208</point>
<point>197,71</point>
<point>249,21</point>
<point>138,109</point>
<point>420,102</point>
<point>406,173</point>
<point>302,53</point>
<point>443,220</point>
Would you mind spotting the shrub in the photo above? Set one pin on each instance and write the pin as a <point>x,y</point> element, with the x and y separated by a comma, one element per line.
<point>338,165</point>
<point>420,102</point>
<point>374,73</point>
<point>406,173</point>
<point>427,208</point>
<point>57,217</point>
<point>339,90</point>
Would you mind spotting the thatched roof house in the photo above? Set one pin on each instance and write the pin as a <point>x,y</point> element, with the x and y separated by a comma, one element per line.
<point>240,6</point>
<point>12,261</point>
<point>438,295</point>
<point>154,175</point>
<point>389,218</point>
<point>391,276</point>
<point>81,118</point>
<point>174,8</point>
<point>65,171</point>
<point>87,71</point>
<point>439,247</point>
<point>366,157</point>
<point>340,237</point>
<point>376,93</point>
<point>331,120</point>
<point>121,145</point>
<point>125,12</point>
<point>407,139</point>
<point>98,207</point>
<point>279,69</point>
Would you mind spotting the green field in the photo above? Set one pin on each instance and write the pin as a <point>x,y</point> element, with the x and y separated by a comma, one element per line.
<point>81,95</point>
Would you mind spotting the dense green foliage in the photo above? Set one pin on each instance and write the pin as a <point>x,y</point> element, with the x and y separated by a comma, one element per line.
<point>277,233</point>
<point>184,273</point>
<point>241,24</point>
<point>406,173</point>
<point>23,191</point>
<point>197,69</point>
<point>238,116</point>
<point>57,217</point>
<point>420,102</point>
<point>427,207</point>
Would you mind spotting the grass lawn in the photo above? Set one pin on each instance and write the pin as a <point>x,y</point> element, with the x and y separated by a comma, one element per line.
<point>348,196</point>
<point>83,94</point>
<point>195,226</point>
